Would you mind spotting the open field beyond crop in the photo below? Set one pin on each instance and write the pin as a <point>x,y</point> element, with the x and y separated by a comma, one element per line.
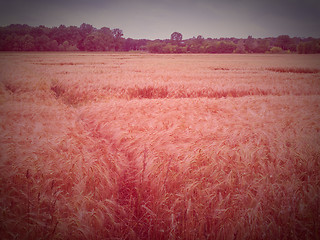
<point>141,146</point>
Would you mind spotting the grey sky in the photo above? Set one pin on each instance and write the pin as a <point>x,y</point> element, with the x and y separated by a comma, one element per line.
<point>159,18</point>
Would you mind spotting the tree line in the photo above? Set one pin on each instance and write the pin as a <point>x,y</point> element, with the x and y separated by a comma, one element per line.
<point>22,37</point>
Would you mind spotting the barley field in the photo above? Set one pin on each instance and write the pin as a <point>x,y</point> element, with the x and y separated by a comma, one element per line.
<point>142,146</point>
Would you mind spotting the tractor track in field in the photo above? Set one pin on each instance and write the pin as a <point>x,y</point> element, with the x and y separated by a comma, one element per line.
<point>132,192</point>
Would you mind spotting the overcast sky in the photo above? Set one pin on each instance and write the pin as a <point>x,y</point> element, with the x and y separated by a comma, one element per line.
<point>154,19</point>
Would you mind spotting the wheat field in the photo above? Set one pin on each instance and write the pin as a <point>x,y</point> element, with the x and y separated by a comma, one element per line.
<point>142,146</point>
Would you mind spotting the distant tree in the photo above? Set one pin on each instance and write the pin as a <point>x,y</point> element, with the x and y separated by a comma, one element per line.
<point>200,39</point>
<point>142,44</point>
<point>131,44</point>
<point>263,46</point>
<point>117,33</point>
<point>168,48</point>
<point>106,31</point>
<point>60,34</point>
<point>276,50</point>
<point>118,40</point>
<point>192,45</point>
<point>17,43</point>
<point>41,43</point>
<point>95,42</point>
<point>309,47</point>
<point>301,48</point>
<point>250,44</point>
<point>180,49</point>
<point>156,46</point>
<point>86,29</point>
<point>107,36</point>
<point>176,38</point>
<point>240,47</point>
<point>37,32</point>
<point>52,45</point>
<point>66,46</point>
<point>74,35</point>
<point>284,42</point>
<point>213,47</point>
<point>6,43</point>
<point>18,29</point>
<point>28,43</point>
<point>227,47</point>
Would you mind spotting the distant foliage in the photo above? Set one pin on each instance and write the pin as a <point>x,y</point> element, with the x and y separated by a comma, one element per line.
<point>312,46</point>
<point>18,37</point>
<point>276,50</point>
<point>176,37</point>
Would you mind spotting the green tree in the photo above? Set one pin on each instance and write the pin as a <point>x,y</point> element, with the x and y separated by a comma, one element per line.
<point>250,44</point>
<point>37,32</point>
<point>130,44</point>
<point>212,47</point>
<point>276,50</point>
<point>118,40</point>
<point>263,45</point>
<point>156,46</point>
<point>226,47</point>
<point>41,43</point>
<point>309,47</point>
<point>52,45</point>
<point>28,43</point>
<point>66,46</point>
<point>200,40</point>
<point>117,33</point>
<point>95,42</point>
<point>107,36</point>
<point>176,38</point>
<point>86,29</point>
<point>7,42</point>
<point>284,42</point>
<point>240,47</point>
